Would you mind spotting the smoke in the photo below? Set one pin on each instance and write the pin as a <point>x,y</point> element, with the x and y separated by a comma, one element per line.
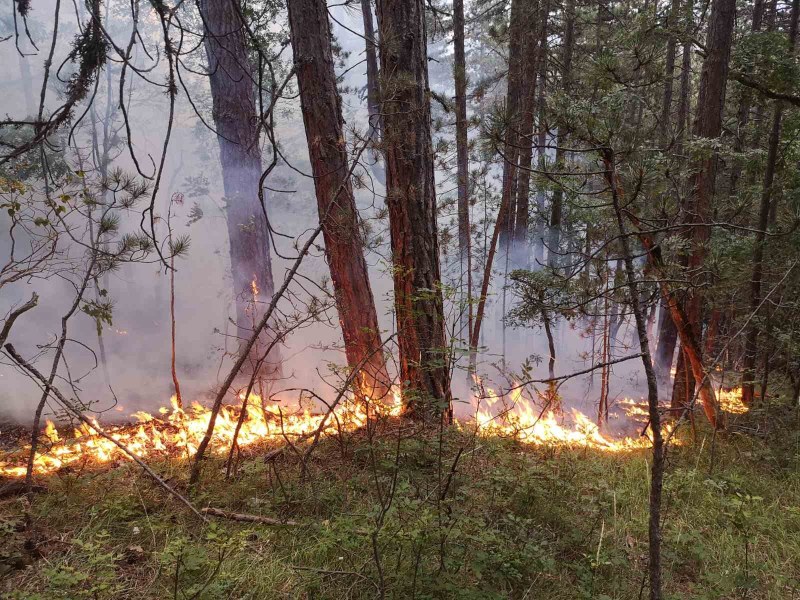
<point>137,338</point>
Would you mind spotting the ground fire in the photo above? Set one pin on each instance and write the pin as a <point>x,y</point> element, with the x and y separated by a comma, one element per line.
<point>177,432</point>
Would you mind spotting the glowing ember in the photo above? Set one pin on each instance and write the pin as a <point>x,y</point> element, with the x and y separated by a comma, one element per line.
<point>254,287</point>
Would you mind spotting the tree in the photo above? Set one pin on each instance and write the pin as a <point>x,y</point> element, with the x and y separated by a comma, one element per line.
<point>235,118</point>
<point>411,200</point>
<point>322,116</point>
<point>462,153</point>
<point>697,209</point>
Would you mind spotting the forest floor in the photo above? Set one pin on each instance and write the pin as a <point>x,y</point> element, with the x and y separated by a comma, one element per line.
<point>410,517</point>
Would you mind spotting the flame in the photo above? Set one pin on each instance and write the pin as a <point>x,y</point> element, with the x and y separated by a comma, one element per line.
<point>254,288</point>
<point>730,401</point>
<point>513,415</point>
<point>178,432</point>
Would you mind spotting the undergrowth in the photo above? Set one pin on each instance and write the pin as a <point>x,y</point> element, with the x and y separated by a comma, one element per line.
<point>417,517</point>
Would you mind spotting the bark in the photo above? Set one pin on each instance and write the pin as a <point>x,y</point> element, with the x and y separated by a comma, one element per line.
<point>669,73</point>
<point>557,204</point>
<point>708,124</point>
<point>235,115</point>
<point>533,65</point>
<point>411,200</point>
<point>516,48</point>
<point>462,153</point>
<point>689,342</point>
<point>667,340</point>
<point>322,116</point>
<point>657,471</point>
<point>371,55</point>
<point>765,208</point>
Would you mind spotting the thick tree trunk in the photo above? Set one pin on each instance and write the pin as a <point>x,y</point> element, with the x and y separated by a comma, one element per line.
<point>667,340</point>
<point>234,112</point>
<point>708,124</point>
<point>411,200</point>
<point>322,116</point>
<point>697,208</point>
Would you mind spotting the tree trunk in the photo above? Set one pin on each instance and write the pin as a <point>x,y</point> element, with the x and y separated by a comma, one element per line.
<point>322,116</point>
<point>370,52</point>
<point>669,73</point>
<point>533,63</point>
<point>234,113</point>
<point>689,343</point>
<point>462,155</point>
<point>667,340</point>
<point>557,204</point>
<point>697,209</point>
<point>765,208</point>
<point>657,472</point>
<point>516,48</point>
<point>411,200</point>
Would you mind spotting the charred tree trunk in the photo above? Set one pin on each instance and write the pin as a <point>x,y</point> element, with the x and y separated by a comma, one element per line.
<point>234,113</point>
<point>322,116</point>
<point>411,200</point>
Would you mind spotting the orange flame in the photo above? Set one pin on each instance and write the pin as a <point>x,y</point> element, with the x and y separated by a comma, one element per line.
<point>179,432</point>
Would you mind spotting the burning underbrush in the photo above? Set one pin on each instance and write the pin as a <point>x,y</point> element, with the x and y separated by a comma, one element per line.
<point>177,432</point>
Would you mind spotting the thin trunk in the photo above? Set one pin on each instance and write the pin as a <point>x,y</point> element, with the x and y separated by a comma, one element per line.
<point>516,48</point>
<point>765,207</point>
<point>689,343</point>
<point>541,151</point>
<point>344,247</point>
<point>557,204</point>
<point>657,471</point>
<point>234,112</point>
<point>373,92</point>
<point>669,73</point>
<point>411,200</point>
<point>462,154</point>
<point>533,65</point>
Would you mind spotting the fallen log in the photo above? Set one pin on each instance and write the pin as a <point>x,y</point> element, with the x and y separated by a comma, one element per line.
<point>245,518</point>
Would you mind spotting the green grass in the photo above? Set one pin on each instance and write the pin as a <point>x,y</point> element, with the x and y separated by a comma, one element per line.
<point>516,522</point>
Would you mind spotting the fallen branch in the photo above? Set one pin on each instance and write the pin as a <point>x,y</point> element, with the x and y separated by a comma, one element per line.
<point>245,518</point>
<point>93,425</point>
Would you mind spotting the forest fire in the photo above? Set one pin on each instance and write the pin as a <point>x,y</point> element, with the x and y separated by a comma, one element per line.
<point>177,432</point>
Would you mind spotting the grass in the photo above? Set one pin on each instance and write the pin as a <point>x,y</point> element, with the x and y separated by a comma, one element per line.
<point>515,522</point>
